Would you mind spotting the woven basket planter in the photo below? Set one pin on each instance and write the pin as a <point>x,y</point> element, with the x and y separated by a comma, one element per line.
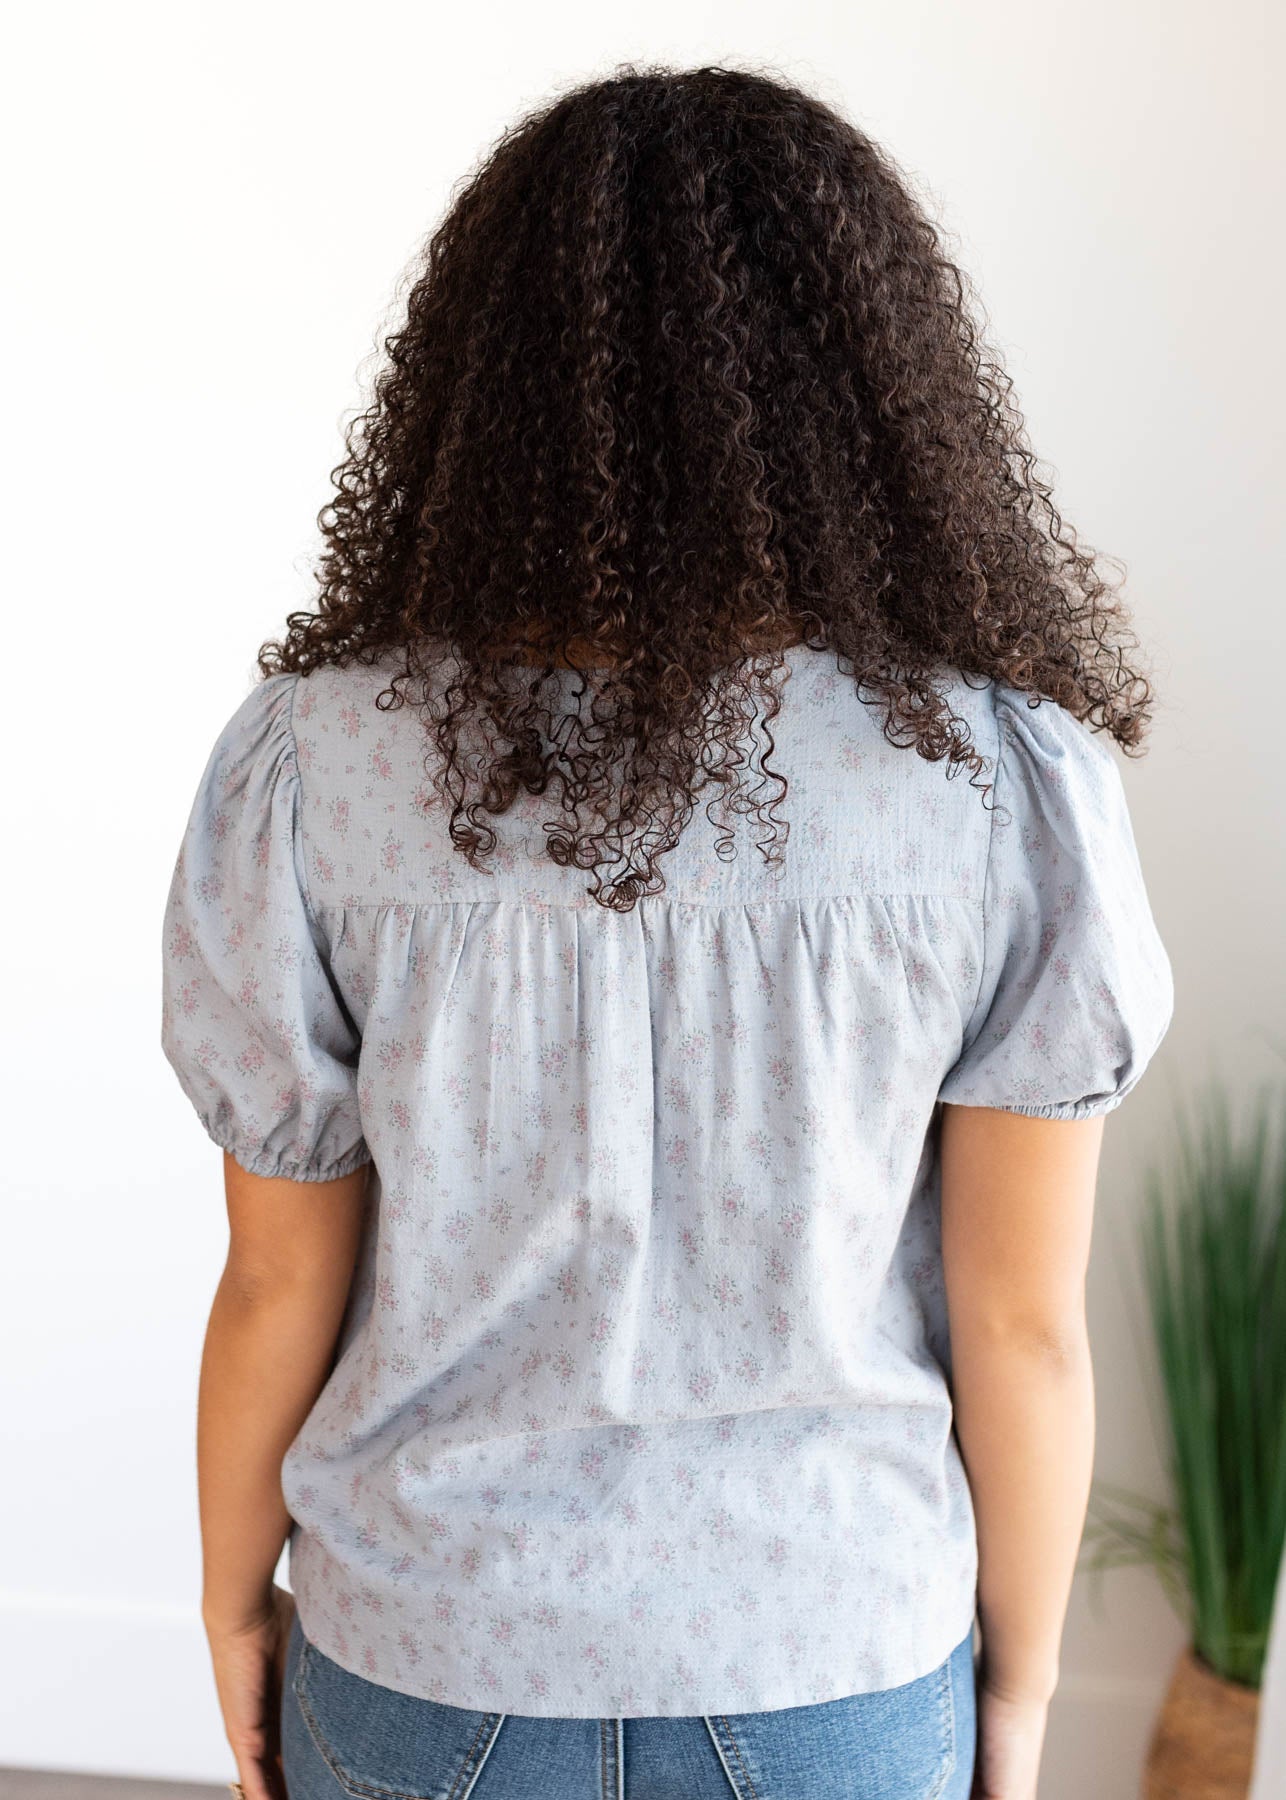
<point>1203,1745</point>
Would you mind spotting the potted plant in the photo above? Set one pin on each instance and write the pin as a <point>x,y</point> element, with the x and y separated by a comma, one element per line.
<point>1214,1258</point>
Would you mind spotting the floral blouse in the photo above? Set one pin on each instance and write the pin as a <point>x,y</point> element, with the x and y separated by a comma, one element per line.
<point>642,1403</point>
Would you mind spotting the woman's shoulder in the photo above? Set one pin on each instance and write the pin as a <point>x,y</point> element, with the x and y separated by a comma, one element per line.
<point>1053,765</point>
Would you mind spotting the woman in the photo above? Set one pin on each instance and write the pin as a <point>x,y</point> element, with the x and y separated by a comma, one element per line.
<point>603,1170</point>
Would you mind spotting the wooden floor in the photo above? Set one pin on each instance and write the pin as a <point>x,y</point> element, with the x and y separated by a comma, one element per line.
<point>33,1784</point>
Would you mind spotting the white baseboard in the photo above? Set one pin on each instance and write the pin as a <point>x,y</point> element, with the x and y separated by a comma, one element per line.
<point>1098,1737</point>
<point>107,1688</point>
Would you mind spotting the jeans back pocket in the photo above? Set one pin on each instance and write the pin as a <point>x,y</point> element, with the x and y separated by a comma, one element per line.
<point>895,1744</point>
<point>383,1745</point>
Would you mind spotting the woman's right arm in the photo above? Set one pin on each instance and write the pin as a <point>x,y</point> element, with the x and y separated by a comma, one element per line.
<point>1017,1206</point>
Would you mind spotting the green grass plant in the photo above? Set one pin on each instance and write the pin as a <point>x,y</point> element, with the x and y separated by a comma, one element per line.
<point>1214,1260</point>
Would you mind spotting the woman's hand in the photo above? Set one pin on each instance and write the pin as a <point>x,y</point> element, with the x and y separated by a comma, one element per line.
<point>1011,1733</point>
<point>249,1658</point>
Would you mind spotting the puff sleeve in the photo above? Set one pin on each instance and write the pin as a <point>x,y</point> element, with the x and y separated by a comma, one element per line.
<point>252,1022</point>
<point>1077,990</point>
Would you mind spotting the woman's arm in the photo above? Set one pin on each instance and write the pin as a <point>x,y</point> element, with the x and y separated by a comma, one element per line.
<point>1017,1207</point>
<point>268,1349</point>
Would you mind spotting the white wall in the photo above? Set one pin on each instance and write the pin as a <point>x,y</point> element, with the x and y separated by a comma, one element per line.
<point>212,206</point>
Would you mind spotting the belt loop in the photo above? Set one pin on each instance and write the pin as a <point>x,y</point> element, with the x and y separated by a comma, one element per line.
<point>620,1759</point>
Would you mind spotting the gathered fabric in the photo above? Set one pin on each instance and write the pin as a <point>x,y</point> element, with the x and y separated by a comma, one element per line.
<point>642,1402</point>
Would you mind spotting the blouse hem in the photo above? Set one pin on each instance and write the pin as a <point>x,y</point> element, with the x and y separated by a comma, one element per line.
<point>756,1697</point>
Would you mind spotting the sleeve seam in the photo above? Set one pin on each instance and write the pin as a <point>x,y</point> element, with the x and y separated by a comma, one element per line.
<point>986,880</point>
<point>302,861</point>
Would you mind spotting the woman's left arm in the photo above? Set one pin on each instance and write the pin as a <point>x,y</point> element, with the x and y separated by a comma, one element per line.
<point>269,1348</point>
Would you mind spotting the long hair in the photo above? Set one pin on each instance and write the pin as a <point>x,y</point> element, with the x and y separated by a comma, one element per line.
<point>685,375</point>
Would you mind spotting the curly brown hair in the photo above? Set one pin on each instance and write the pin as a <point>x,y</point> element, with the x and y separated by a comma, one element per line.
<point>686,376</point>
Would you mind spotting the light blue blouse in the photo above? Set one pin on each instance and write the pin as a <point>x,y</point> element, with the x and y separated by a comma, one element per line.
<point>642,1403</point>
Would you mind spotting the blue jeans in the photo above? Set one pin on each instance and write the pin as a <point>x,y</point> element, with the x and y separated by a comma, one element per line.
<point>343,1736</point>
